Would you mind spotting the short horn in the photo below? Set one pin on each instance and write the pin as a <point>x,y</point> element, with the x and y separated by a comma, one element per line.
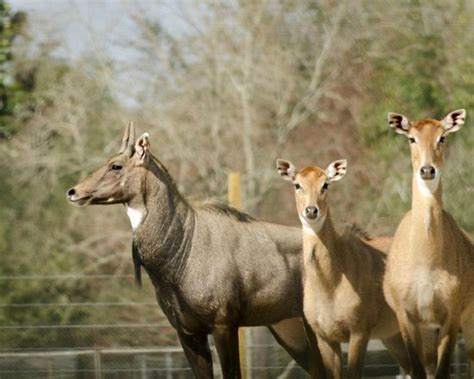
<point>125,139</point>
<point>131,137</point>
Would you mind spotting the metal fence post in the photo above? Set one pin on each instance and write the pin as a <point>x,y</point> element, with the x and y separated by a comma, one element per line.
<point>97,365</point>
<point>169,366</point>
<point>50,369</point>
<point>143,367</point>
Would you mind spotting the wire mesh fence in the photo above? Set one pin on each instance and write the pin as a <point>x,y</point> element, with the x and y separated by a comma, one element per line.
<point>129,337</point>
<point>169,362</point>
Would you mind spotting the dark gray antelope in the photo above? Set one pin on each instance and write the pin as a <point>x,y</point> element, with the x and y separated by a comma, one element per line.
<point>213,268</point>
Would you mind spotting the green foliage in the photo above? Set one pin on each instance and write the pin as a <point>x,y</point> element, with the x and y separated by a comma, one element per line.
<point>419,73</point>
<point>38,162</point>
<point>13,90</point>
<point>423,70</point>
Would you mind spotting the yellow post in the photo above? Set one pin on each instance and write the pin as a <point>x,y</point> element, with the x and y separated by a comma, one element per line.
<point>233,196</point>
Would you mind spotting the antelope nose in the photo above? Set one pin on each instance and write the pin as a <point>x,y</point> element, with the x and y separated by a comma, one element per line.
<point>311,212</point>
<point>70,192</point>
<point>427,172</point>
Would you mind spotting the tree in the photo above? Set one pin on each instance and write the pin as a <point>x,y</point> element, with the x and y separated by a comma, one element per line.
<point>66,119</point>
<point>13,88</point>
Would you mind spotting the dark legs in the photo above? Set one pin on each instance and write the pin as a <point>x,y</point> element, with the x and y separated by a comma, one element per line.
<point>357,348</point>
<point>227,345</point>
<point>196,349</point>
<point>412,339</point>
<point>429,340</point>
<point>332,357</point>
<point>447,341</point>
<point>467,326</point>
<point>290,334</point>
<point>301,344</point>
<point>422,355</point>
<point>317,369</point>
<point>396,348</point>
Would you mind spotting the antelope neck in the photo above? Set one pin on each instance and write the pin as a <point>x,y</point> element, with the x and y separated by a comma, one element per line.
<point>166,224</point>
<point>426,232</point>
<point>422,202</point>
<point>320,250</point>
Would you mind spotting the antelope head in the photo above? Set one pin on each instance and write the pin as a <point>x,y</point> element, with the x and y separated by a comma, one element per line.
<point>120,179</point>
<point>311,187</point>
<point>427,139</point>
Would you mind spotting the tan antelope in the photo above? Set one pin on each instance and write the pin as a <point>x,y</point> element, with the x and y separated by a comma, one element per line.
<point>343,274</point>
<point>214,268</point>
<point>429,279</point>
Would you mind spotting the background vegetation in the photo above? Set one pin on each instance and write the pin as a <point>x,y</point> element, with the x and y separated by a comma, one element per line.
<point>238,85</point>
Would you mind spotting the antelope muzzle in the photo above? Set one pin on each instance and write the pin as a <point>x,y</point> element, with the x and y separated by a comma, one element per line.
<point>311,212</point>
<point>427,172</point>
<point>73,196</point>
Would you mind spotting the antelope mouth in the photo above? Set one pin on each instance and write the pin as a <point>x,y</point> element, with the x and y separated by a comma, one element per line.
<point>313,225</point>
<point>80,200</point>
<point>93,200</point>
<point>310,221</point>
<point>427,177</point>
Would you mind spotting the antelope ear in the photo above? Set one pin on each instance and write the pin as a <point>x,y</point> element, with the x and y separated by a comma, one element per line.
<point>286,169</point>
<point>142,145</point>
<point>336,170</point>
<point>399,123</point>
<point>453,121</point>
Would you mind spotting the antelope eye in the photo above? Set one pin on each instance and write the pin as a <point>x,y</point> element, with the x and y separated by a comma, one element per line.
<point>442,139</point>
<point>325,187</point>
<point>116,167</point>
<point>297,186</point>
<point>411,139</point>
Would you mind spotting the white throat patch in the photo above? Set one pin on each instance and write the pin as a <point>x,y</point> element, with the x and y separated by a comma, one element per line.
<point>428,187</point>
<point>136,216</point>
<point>314,227</point>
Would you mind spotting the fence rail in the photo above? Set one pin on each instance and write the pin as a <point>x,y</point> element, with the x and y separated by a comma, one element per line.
<point>169,362</point>
<point>110,351</point>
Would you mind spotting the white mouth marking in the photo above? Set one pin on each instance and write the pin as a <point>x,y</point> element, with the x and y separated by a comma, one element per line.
<point>312,227</point>
<point>136,216</point>
<point>428,187</point>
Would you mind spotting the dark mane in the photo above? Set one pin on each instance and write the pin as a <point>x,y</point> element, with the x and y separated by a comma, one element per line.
<point>212,205</point>
<point>162,173</point>
<point>160,165</point>
<point>358,231</point>
<point>225,209</point>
